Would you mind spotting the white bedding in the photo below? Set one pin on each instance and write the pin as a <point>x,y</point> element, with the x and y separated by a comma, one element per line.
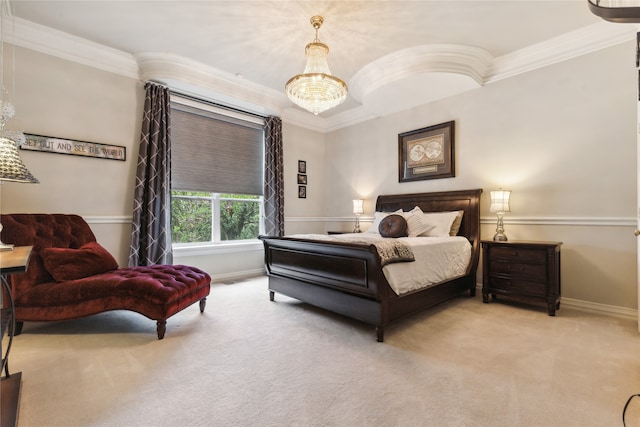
<point>436,258</point>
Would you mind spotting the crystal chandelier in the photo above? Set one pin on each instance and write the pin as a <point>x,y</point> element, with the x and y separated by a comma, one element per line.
<point>316,90</point>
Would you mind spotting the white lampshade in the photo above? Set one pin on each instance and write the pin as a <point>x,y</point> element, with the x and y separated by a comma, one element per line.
<point>500,201</point>
<point>358,206</point>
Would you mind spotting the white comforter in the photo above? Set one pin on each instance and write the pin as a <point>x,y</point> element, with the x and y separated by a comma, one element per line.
<point>436,259</point>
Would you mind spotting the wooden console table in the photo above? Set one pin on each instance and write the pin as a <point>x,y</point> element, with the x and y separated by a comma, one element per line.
<point>11,262</point>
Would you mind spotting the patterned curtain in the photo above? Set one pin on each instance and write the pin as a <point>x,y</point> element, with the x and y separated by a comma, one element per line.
<point>273,177</point>
<point>151,233</point>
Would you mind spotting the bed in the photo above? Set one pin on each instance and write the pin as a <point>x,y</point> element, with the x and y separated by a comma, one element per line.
<point>347,278</point>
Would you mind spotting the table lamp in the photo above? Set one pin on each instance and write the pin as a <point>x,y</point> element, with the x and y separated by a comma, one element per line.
<point>12,170</point>
<point>500,205</point>
<point>358,210</point>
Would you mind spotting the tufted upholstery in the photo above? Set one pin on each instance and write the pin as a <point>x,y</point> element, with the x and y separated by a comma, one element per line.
<point>157,291</point>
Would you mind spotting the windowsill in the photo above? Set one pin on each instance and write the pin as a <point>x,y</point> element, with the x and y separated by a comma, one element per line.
<point>219,248</point>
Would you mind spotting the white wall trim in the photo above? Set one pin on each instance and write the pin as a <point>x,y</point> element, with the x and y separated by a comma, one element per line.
<point>566,221</point>
<point>108,219</point>
<point>589,307</point>
<point>56,43</point>
<point>604,309</point>
<point>222,248</point>
<point>236,276</point>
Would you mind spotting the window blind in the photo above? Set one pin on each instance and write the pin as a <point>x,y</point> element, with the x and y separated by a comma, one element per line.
<point>215,153</point>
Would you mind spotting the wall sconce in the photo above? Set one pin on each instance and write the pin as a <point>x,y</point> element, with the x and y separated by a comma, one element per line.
<point>500,205</point>
<point>358,209</point>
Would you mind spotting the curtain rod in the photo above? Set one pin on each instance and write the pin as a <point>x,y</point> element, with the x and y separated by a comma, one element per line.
<point>215,104</point>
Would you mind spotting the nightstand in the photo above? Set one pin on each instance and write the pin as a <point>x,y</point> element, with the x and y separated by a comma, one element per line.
<point>523,270</point>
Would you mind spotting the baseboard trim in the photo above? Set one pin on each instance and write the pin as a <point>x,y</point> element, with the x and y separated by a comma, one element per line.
<point>236,276</point>
<point>604,309</point>
<point>591,307</point>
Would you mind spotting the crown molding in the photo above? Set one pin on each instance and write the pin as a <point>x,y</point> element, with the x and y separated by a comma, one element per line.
<point>204,81</point>
<point>575,43</point>
<point>62,45</point>
<point>196,78</point>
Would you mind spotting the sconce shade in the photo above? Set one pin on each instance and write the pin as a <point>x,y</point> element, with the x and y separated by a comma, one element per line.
<point>11,167</point>
<point>358,206</point>
<point>500,201</point>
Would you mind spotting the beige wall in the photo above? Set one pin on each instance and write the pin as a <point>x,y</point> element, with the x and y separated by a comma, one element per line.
<point>562,138</point>
<point>59,98</point>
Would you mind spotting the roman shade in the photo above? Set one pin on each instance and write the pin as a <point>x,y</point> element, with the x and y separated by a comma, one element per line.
<point>215,152</point>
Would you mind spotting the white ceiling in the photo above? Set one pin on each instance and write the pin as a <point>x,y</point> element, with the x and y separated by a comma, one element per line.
<point>384,50</point>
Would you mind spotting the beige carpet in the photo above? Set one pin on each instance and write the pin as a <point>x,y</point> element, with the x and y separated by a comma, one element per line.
<point>251,362</point>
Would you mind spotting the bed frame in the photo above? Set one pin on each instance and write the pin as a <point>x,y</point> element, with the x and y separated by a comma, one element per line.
<point>348,279</point>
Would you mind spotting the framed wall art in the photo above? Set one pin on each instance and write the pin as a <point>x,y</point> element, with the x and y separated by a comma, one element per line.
<point>302,179</point>
<point>302,166</point>
<point>302,191</point>
<point>427,153</point>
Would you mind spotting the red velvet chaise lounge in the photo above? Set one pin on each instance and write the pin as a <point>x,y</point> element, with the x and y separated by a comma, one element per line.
<point>70,275</point>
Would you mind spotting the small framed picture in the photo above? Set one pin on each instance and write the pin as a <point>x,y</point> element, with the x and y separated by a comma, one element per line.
<point>302,166</point>
<point>302,191</point>
<point>302,179</point>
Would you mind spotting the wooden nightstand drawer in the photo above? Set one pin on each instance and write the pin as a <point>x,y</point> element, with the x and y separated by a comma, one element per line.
<point>535,272</point>
<point>518,253</point>
<point>522,270</point>
<point>521,287</point>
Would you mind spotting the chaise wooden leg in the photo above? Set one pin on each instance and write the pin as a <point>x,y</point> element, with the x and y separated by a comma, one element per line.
<point>161,328</point>
<point>380,333</point>
<point>272,296</point>
<point>203,303</point>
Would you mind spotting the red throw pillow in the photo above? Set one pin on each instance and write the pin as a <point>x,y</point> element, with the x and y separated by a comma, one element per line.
<point>69,264</point>
<point>393,226</point>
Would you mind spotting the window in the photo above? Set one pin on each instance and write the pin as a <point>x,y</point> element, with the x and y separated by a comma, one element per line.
<point>200,217</point>
<point>217,173</point>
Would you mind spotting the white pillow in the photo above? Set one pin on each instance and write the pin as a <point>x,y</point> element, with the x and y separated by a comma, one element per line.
<point>416,224</point>
<point>441,220</point>
<point>377,217</point>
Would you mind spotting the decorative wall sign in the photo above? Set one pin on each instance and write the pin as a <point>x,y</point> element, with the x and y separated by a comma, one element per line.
<point>427,153</point>
<point>76,148</point>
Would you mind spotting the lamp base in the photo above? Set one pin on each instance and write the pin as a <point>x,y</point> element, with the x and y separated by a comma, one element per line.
<point>500,237</point>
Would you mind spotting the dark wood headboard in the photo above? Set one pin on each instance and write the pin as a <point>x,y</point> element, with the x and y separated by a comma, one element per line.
<point>466,200</point>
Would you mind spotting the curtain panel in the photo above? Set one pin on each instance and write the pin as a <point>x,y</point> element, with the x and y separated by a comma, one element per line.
<point>151,231</point>
<point>273,177</point>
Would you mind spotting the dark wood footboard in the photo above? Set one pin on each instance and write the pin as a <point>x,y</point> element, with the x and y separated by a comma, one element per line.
<point>348,279</point>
